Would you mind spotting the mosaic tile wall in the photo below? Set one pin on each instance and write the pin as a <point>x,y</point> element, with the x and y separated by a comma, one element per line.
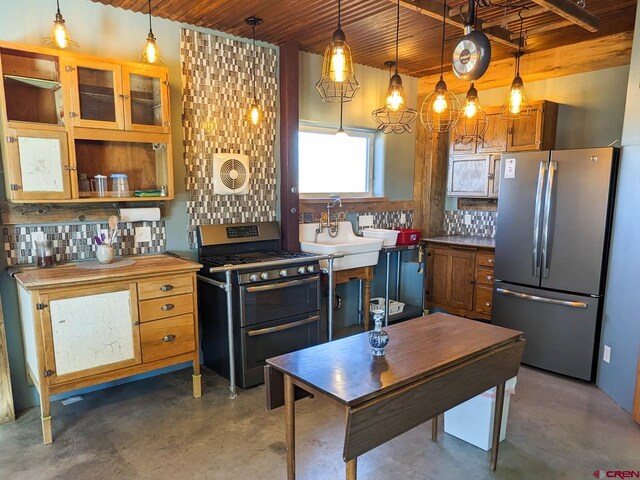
<point>217,88</point>
<point>389,219</point>
<point>75,242</point>
<point>470,222</point>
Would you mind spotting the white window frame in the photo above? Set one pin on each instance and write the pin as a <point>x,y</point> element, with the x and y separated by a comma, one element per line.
<point>370,135</point>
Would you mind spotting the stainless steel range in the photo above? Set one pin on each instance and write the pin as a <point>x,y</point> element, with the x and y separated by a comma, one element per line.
<point>255,300</point>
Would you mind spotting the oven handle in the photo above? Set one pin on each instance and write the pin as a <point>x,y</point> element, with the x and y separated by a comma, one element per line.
<point>280,328</point>
<point>278,286</point>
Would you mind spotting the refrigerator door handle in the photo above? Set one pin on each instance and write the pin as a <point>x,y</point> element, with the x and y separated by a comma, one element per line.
<point>535,298</point>
<point>535,260</point>
<point>546,258</point>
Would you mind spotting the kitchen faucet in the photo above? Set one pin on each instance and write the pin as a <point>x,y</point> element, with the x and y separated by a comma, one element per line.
<point>332,226</point>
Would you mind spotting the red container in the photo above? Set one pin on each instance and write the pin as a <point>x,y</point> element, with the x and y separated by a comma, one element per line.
<point>408,236</point>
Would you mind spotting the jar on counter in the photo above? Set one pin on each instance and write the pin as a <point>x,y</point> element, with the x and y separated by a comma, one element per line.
<point>120,185</point>
<point>44,253</point>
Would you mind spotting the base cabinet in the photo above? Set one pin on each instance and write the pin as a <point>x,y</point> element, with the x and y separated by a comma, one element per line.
<point>77,336</point>
<point>460,280</point>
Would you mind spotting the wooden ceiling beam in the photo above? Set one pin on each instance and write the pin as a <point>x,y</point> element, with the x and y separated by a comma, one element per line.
<point>569,10</point>
<point>512,17</point>
<point>549,27</point>
<point>604,52</point>
<point>434,8</point>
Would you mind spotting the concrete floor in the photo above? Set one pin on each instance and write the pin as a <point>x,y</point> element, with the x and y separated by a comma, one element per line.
<point>153,429</point>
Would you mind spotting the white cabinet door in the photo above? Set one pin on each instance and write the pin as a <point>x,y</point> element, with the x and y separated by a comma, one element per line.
<point>93,330</point>
<point>468,176</point>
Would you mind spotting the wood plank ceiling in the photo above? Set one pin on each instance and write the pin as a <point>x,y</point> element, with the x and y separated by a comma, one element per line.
<point>370,25</point>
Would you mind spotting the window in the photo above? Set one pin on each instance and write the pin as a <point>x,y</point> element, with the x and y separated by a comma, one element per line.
<point>330,164</point>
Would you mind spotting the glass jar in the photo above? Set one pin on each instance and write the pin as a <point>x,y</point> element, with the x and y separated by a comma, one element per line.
<point>120,186</point>
<point>44,253</point>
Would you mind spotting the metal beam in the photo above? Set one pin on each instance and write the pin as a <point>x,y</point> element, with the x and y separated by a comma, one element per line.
<point>549,27</point>
<point>571,11</point>
<point>434,8</point>
<point>512,17</point>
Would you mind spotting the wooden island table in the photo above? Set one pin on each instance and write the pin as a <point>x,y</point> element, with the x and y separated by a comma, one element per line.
<point>432,364</point>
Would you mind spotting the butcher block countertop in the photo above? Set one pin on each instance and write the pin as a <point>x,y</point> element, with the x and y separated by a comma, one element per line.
<point>463,241</point>
<point>92,272</point>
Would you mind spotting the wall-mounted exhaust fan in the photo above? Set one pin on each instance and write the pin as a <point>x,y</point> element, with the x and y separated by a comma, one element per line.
<point>472,54</point>
<point>230,174</point>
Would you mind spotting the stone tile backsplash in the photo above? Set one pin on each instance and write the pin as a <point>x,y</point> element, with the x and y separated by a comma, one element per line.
<point>475,223</point>
<point>75,242</point>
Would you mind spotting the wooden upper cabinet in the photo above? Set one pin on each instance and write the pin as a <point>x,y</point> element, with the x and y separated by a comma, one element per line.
<point>96,98</point>
<point>37,164</point>
<point>495,138</point>
<point>146,99</point>
<point>468,176</point>
<point>538,132</point>
<point>457,147</point>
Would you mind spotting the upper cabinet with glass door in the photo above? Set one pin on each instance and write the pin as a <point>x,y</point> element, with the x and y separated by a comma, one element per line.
<point>66,118</point>
<point>118,97</point>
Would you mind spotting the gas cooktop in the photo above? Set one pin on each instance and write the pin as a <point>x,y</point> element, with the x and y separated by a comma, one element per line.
<point>253,257</point>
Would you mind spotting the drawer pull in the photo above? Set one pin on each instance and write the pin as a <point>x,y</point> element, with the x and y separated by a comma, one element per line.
<point>489,260</point>
<point>166,288</point>
<point>169,338</point>
<point>488,304</point>
<point>167,306</point>
<point>489,277</point>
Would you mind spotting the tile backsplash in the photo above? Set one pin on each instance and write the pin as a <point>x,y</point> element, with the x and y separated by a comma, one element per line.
<point>389,219</point>
<point>75,242</point>
<point>475,223</point>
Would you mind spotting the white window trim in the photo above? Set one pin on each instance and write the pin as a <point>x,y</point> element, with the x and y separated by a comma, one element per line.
<point>355,132</point>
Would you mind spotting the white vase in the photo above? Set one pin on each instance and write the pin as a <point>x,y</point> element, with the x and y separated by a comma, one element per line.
<point>105,253</point>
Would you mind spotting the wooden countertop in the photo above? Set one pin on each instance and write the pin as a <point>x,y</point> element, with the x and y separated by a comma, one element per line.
<point>463,240</point>
<point>346,371</point>
<point>67,274</point>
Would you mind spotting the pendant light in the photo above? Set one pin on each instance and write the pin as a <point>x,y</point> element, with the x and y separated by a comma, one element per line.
<point>341,133</point>
<point>473,122</point>
<point>59,34</point>
<point>255,114</point>
<point>338,82</point>
<point>440,111</point>
<point>151,54</point>
<point>516,105</point>
<point>395,116</point>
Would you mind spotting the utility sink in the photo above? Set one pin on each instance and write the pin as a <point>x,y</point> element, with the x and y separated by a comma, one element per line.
<point>357,251</point>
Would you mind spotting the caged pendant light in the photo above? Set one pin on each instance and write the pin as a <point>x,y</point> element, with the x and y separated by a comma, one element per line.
<point>440,111</point>
<point>473,122</point>
<point>395,116</point>
<point>151,54</point>
<point>59,34</point>
<point>516,105</point>
<point>254,114</point>
<point>338,83</point>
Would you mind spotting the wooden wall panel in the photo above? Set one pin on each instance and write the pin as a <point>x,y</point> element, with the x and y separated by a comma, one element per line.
<point>7,413</point>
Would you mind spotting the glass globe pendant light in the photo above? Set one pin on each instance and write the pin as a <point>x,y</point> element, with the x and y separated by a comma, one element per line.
<point>395,116</point>
<point>151,54</point>
<point>440,111</point>
<point>255,114</point>
<point>59,34</point>
<point>516,105</point>
<point>338,83</point>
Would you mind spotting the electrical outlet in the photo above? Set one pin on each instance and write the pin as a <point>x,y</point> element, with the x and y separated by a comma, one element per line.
<point>403,218</point>
<point>143,234</point>
<point>37,236</point>
<point>607,354</point>
<point>365,221</point>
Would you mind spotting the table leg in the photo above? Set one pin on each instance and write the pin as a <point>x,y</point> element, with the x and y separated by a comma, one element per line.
<point>352,469</point>
<point>290,426</point>
<point>497,424</point>
<point>366,294</point>
<point>434,429</point>
<point>45,416</point>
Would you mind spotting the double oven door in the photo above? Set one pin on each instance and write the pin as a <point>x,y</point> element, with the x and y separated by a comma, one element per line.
<point>276,318</point>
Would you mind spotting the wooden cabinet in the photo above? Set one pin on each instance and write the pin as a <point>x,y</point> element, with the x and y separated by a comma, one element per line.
<point>460,280</point>
<point>538,132</point>
<point>473,176</point>
<point>65,117</point>
<point>129,320</point>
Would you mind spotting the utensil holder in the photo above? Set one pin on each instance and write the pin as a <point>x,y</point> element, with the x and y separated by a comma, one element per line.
<point>105,253</point>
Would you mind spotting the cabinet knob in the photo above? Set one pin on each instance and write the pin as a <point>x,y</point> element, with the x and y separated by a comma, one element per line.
<point>169,338</point>
<point>167,306</point>
<point>488,304</point>
<point>490,260</point>
<point>489,277</point>
<point>166,288</point>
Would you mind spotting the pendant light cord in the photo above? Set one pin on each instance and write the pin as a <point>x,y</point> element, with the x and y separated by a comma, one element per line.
<point>339,9</point>
<point>254,62</point>
<point>58,4</point>
<point>397,33</point>
<point>150,30</point>
<point>444,26</point>
<point>519,45</point>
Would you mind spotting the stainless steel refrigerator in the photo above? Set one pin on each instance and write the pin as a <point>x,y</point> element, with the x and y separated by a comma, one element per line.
<point>554,222</point>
